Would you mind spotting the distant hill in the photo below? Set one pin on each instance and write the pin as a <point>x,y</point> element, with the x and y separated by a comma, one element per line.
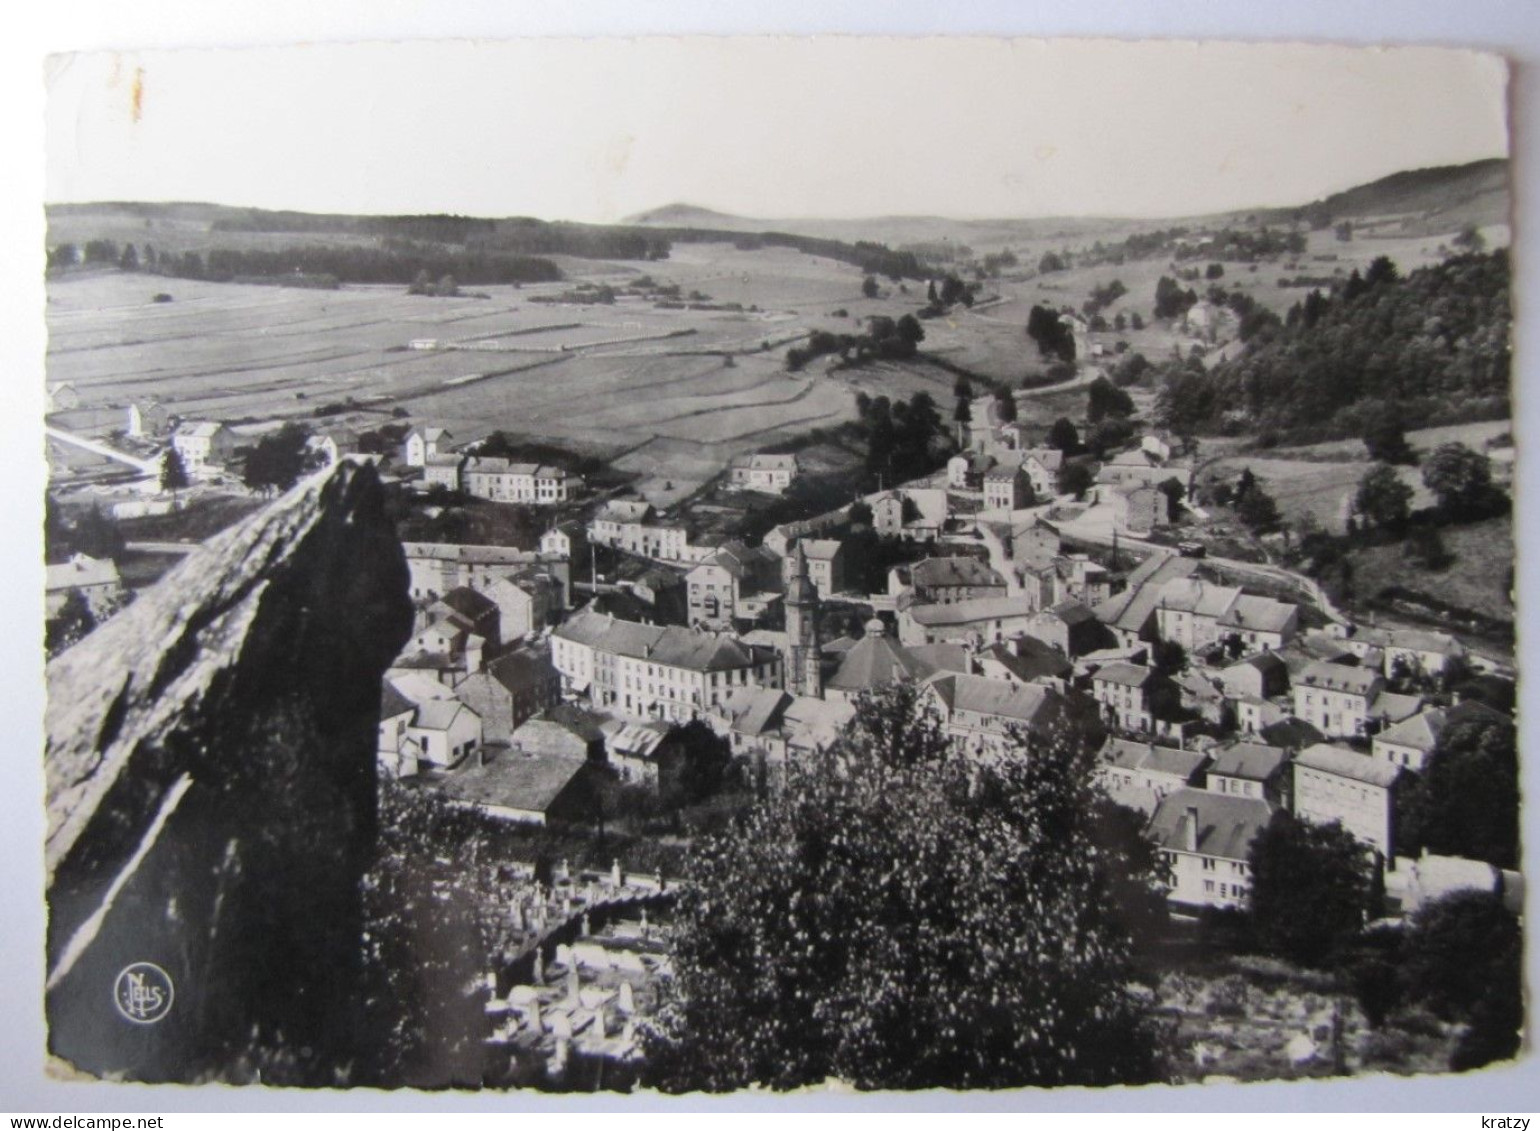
<point>1428,202</point>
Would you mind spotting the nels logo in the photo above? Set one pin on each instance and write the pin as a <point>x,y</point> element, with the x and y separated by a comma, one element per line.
<point>143,993</point>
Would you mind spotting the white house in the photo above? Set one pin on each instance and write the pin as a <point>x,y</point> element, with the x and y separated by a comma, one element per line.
<point>764,472</point>
<point>203,445</point>
<point>425,442</point>
<point>1205,839</point>
<point>1337,784</point>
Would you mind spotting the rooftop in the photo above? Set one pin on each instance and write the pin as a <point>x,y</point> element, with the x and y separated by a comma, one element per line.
<point>1226,824</point>
<point>1128,675</point>
<point>1339,677</point>
<point>1129,755</point>
<point>515,781</point>
<point>1249,760</point>
<point>1347,763</point>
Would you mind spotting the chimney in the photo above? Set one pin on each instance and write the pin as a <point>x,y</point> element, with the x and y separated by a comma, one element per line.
<point>1190,829</point>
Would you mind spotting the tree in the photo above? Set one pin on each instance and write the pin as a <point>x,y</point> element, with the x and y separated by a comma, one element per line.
<point>1383,498</point>
<point>1049,263</point>
<point>97,535</point>
<point>1108,435</point>
<point>900,916</point>
<point>129,260</point>
<point>1064,436</point>
<point>1005,406</point>
<point>910,332</point>
<point>1386,441</point>
<point>71,623</point>
<point>1425,548</point>
<point>173,475</point>
<point>1136,321</point>
<point>422,284</point>
<point>1174,491</point>
<point>1076,479</point>
<point>1464,957</point>
<point>1171,301</point>
<point>447,287</point>
<point>1257,509</point>
<point>1104,399</point>
<point>869,286</point>
<point>1470,239</point>
<point>1461,479</point>
<point>278,459</point>
<point>1054,338</point>
<point>1310,889</point>
<point>1466,801</point>
<point>1214,271</point>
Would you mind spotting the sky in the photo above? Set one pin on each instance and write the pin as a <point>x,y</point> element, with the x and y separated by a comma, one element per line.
<point>599,129</point>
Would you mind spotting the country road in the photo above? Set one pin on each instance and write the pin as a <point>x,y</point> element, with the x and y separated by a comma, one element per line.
<point>146,467</point>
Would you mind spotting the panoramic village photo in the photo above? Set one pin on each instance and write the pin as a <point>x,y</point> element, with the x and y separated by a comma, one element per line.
<point>1007,581</point>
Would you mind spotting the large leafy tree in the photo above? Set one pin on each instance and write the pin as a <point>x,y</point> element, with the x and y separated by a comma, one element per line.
<point>1310,889</point>
<point>173,472</point>
<point>1460,477</point>
<point>1466,802</point>
<point>279,459</point>
<point>1383,498</point>
<point>900,916</point>
<point>1464,957</point>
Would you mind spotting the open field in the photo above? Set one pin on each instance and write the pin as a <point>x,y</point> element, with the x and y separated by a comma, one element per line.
<point>1480,577</point>
<point>690,387</point>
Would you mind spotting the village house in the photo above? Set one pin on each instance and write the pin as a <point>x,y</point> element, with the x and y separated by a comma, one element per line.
<point>204,446</point>
<point>148,419</point>
<point>509,690</point>
<point>1335,698</point>
<point>994,717</point>
<point>1141,467</point>
<point>943,581</point>
<point>1250,769</point>
<point>1337,784</point>
<point>915,513</point>
<point>61,397</point>
<point>1006,488</point>
<point>1070,627</point>
<point>444,471</point>
<point>505,481</point>
<point>1138,509</point>
<point>557,541</point>
<point>1203,696</point>
<point>95,579</point>
<point>1253,715</point>
<point>1034,544</point>
<point>782,538</point>
<point>1132,614</point>
<point>424,443</point>
<point>1254,623</point>
<point>1190,611</point>
<point>825,564</point>
<point>1205,839</point>
<point>1138,775</point>
<point>720,588</point>
<point>1260,676</point>
<point>763,472</point>
<point>1130,695</point>
<point>1410,742</point>
<point>434,568</point>
<point>979,621</point>
<point>775,727</point>
<point>1042,467</point>
<point>608,523</point>
<point>651,671</point>
<point>1415,652</point>
<point>423,726</point>
<point>531,789</point>
<point>1024,659</point>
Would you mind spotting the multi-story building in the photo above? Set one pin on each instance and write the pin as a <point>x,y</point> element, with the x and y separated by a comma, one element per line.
<point>944,581</point>
<point>434,568</point>
<point>424,443</point>
<point>1205,839</point>
<point>1336,698</point>
<point>504,481</point>
<point>763,472</point>
<point>1006,488</point>
<point>1139,774</point>
<point>990,716</point>
<point>651,671</point>
<point>203,445</point>
<point>1130,695</point>
<point>719,588</point>
<point>1357,791</point>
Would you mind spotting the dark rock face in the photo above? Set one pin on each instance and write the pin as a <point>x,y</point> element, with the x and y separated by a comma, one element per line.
<point>210,768</point>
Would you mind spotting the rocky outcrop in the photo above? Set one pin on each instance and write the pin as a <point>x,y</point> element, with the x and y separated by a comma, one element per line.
<point>211,798</point>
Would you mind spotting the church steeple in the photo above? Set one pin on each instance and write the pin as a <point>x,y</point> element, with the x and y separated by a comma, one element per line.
<point>804,673</point>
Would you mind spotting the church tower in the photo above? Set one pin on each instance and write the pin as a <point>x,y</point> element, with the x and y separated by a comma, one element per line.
<point>804,674</point>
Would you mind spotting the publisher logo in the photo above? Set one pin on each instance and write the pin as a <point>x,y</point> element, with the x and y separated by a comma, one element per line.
<point>143,993</point>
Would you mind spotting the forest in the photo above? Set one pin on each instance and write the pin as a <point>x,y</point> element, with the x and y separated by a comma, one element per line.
<point>1430,348</point>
